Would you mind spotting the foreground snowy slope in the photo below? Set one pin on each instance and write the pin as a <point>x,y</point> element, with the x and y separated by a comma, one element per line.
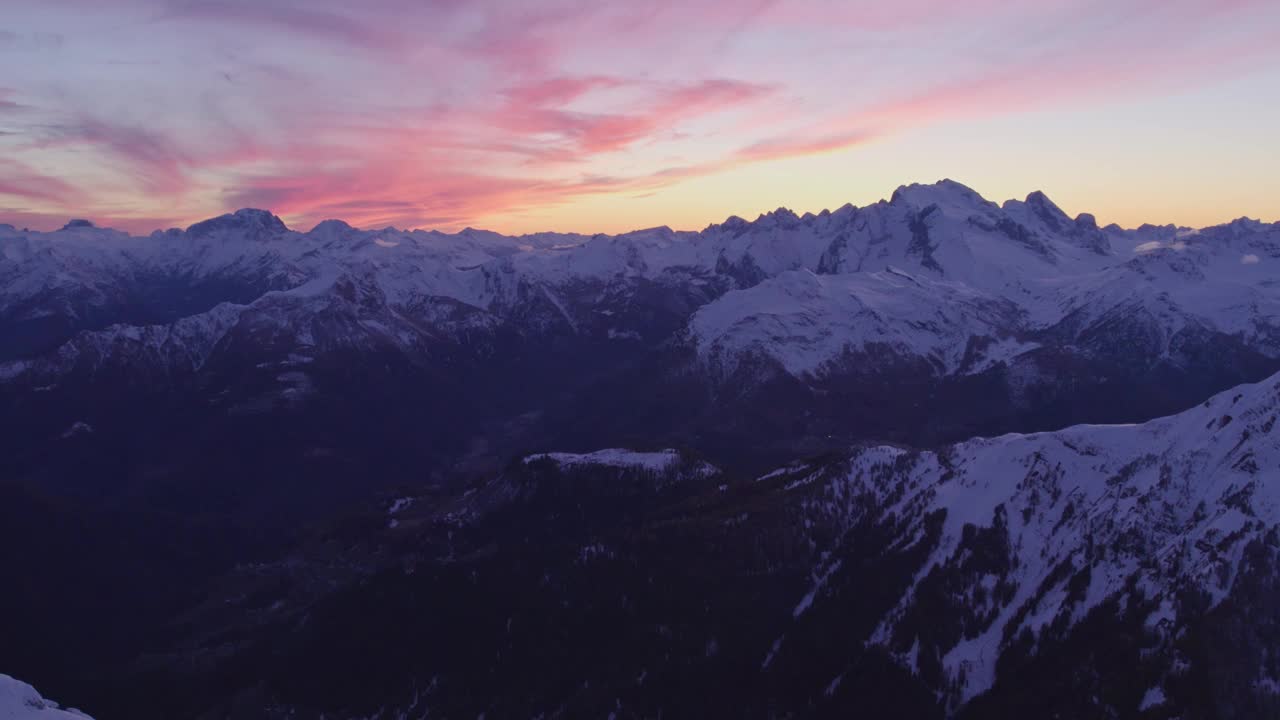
<point>1158,521</point>
<point>20,701</point>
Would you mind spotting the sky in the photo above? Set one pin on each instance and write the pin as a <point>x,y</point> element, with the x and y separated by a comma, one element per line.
<point>602,116</point>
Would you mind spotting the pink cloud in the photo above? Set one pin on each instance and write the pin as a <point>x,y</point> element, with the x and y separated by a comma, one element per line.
<point>784,147</point>
<point>670,107</point>
<point>21,181</point>
<point>374,195</point>
<point>1118,64</point>
<point>420,162</point>
<point>558,90</point>
<point>153,159</point>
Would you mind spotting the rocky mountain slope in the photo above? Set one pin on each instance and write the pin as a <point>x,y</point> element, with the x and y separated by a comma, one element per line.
<point>229,411</point>
<point>1096,571</point>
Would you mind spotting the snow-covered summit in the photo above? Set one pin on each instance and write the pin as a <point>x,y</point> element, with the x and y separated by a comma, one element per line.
<point>951,197</point>
<point>248,223</point>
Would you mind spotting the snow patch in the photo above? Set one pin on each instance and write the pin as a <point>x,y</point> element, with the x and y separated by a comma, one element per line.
<point>834,685</point>
<point>619,458</point>
<point>79,427</point>
<point>820,580</point>
<point>1154,697</point>
<point>773,652</point>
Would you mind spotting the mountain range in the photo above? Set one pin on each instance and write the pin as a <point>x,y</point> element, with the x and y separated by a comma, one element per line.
<point>878,457</point>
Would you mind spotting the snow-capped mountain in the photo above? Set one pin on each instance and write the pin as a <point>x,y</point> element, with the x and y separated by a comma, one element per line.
<point>1028,257</point>
<point>1059,278</point>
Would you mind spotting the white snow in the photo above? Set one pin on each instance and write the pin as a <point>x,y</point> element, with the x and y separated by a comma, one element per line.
<point>805,320</point>
<point>773,652</point>
<point>819,580</point>
<point>613,457</point>
<point>834,685</point>
<point>594,551</point>
<point>20,701</point>
<point>793,468</point>
<point>79,427</point>
<point>1153,697</point>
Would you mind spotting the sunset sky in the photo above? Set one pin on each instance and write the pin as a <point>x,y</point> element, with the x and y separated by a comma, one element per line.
<point>598,116</point>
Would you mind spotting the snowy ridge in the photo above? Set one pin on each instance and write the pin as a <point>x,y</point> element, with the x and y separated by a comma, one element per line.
<point>20,701</point>
<point>805,320</point>
<point>184,344</point>
<point>1067,520</point>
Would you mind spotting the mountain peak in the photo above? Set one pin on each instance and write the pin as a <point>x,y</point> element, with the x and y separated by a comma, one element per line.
<point>256,224</point>
<point>780,217</point>
<point>1047,210</point>
<point>1038,208</point>
<point>258,215</point>
<point>77,223</point>
<point>1247,223</point>
<point>657,230</point>
<point>332,227</point>
<point>945,192</point>
<point>734,223</point>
